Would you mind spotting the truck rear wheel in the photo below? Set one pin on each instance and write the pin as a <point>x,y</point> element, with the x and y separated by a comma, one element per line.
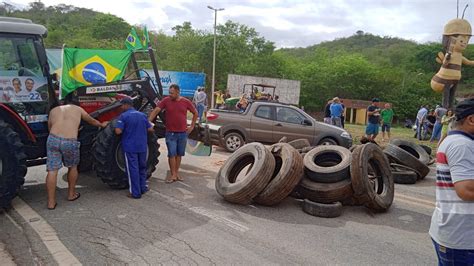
<point>12,164</point>
<point>110,160</point>
<point>233,141</point>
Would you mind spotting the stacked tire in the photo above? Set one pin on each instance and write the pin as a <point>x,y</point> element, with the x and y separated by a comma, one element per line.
<point>408,161</point>
<point>254,173</point>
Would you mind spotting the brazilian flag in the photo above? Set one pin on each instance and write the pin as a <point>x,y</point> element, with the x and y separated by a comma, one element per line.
<point>84,67</point>
<point>146,38</point>
<point>133,41</point>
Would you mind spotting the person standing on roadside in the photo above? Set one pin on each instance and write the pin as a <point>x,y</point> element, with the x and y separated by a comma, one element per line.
<point>446,121</point>
<point>420,121</point>
<point>327,112</point>
<point>134,126</point>
<point>336,112</point>
<point>343,114</point>
<point>373,113</point>
<point>62,146</point>
<point>177,129</point>
<point>439,112</point>
<point>387,118</point>
<point>452,223</point>
<point>201,103</point>
<point>219,99</point>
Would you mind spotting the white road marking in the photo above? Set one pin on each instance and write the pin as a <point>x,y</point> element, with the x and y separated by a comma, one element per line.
<point>47,234</point>
<point>204,212</point>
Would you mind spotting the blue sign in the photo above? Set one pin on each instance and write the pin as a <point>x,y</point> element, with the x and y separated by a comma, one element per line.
<point>188,82</point>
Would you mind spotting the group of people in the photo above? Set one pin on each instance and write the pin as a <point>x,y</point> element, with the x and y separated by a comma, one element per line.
<point>334,112</point>
<point>221,96</point>
<point>437,122</point>
<point>200,102</point>
<point>63,148</point>
<point>377,118</point>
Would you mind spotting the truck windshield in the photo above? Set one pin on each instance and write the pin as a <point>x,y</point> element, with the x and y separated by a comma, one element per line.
<point>22,83</point>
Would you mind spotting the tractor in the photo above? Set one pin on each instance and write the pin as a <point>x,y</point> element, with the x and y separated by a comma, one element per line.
<point>28,91</point>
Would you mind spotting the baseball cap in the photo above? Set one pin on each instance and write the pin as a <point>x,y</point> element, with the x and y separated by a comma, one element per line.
<point>127,100</point>
<point>375,100</point>
<point>464,109</point>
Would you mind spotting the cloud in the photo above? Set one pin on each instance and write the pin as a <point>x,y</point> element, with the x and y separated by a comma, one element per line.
<point>291,23</point>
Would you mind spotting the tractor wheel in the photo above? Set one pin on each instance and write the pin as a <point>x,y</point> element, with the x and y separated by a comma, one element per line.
<point>110,160</point>
<point>12,164</point>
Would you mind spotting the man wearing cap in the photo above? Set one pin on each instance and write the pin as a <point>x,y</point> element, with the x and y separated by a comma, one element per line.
<point>134,126</point>
<point>452,223</point>
<point>373,113</point>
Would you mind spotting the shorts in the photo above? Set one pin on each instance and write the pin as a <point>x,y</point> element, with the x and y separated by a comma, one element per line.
<point>386,127</point>
<point>62,151</point>
<point>176,143</point>
<point>372,129</point>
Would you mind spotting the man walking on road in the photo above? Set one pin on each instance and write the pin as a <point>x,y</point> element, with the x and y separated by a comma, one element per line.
<point>373,113</point>
<point>134,126</point>
<point>439,112</point>
<point>63,148</point>
<point>176,127</point>
<point>452,224</point>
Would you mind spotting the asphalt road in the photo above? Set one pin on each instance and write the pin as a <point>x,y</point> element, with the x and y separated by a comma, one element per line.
<point>188,223</point>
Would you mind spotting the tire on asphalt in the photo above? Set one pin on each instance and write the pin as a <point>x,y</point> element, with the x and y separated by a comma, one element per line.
<point>327,164</point>
<point>376,193</point>
<point>299,143</point>
<point>403,174</point>
<point>307,149</point>
<point>233,141</point>
<point>325,210</point>
<point>325,192</point>
<point>286,176</point>
<point>110,161</point>
<point>12,164</point>
<point>427,149</point>
<point>400,156</point>
<point>414,149</point>
<point>242,191</point>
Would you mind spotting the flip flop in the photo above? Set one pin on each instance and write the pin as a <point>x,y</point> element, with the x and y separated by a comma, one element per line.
<point>180,178</point>
<point>55,204</point>
<point>76,196</point>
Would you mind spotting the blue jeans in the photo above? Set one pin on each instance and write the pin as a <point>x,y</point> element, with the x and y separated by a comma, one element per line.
<point>200,108</point>
<point>449,256</point>
<point>136,172</point>
<point>176,143</point>
<point>436,131</point>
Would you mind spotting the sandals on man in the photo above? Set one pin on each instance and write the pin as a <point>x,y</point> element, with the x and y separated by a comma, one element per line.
<point>76,196</point>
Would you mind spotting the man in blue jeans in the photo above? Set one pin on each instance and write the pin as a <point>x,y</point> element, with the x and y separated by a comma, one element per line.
<point>134,128</point>
<point>452,224</point>
<point>373,119</point>
<point>439,112</point>
<point>177,129</point>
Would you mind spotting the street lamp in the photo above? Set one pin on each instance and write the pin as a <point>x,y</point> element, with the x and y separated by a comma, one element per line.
<point>214,54</point>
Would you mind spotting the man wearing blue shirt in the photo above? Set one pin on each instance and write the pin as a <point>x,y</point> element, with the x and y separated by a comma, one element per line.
<point>336,112</point>
<point>134,128</point>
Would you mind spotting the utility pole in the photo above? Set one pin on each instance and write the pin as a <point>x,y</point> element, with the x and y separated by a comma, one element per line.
<point>214,54</point>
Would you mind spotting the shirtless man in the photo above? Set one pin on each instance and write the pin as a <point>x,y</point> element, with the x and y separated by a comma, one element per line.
<point>62,147</point>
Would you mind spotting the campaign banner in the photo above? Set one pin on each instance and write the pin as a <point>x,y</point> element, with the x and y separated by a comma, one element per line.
<point>188,82</point>
<point>23,89</point>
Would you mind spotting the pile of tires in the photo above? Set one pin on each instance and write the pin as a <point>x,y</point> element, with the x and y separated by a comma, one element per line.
<point>326,177</point>
<point>408,161</point>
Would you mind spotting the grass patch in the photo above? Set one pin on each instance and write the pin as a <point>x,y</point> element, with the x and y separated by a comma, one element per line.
<point>357,131</point>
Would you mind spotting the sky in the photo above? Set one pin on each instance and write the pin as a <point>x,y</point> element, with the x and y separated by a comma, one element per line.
<point>290,23</point>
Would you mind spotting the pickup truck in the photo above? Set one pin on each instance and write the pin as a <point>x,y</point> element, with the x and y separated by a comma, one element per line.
<point>268,122</point>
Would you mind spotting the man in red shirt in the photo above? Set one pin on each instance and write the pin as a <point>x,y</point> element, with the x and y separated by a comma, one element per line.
<point>177,129</point>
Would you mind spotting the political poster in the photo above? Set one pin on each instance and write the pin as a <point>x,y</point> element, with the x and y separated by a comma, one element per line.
<point>23,89</point>
<point>188,82</point>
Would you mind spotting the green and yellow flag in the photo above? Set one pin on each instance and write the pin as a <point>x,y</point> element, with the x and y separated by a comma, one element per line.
<point>84,67</point>
<point>146,38</point>
<point>133,41</point>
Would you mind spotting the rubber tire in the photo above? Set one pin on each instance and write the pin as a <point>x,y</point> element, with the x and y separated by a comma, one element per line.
<point>323,192</point>
<point>427,149</point>
<point>12,174</point>
<point>402,168</point>
<point>351,149</point>
<point>364,190</point>
<point>330,154</point>
<point>299,143</point>
<point>86,162</point>
<point>283,140</point>
<point>404,177</point>
<point>233,134</point>
<point>105,149</point>
<point>325,210</point>
<point>258,177</point>
<point>286,176</point>
<point>400,156</point>
<point>307,149</point>
<point>414,149</point>
<point>327,141</point>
